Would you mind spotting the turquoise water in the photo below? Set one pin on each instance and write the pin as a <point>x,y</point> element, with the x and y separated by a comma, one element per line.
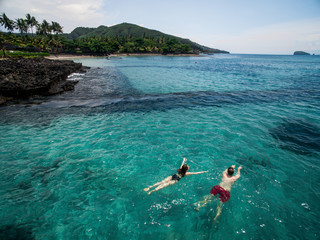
<point>74,166</point>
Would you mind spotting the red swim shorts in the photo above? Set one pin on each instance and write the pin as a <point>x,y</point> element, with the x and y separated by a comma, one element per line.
<point>224,195</point>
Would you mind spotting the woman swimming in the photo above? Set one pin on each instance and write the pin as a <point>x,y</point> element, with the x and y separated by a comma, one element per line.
<point>182,171</point>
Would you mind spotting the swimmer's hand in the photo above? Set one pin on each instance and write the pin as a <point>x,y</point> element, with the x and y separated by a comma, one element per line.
<point>234,166</point>
<point>240,167</point>
<point>184,160</point>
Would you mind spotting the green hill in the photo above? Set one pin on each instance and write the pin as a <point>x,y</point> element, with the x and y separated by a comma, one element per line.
<point>78,32</point>
<point>127,30</point>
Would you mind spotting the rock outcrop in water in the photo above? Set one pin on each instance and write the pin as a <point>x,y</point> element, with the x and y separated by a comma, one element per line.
<point>25,77</point>
<point>300,53</point>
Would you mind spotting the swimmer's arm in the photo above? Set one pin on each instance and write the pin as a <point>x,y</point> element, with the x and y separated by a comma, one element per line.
<point>238,173</point>
<point>194,173</point>
<point>184,160</point>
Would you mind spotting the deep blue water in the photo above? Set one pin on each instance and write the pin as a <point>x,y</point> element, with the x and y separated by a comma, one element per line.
<point>74,166</point>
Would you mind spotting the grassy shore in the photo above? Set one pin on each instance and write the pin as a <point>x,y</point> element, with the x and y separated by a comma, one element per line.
<point>14,54</point>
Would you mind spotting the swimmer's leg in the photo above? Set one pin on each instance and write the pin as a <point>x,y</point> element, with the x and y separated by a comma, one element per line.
<point>163,185</point>
<point>219,209</point>
<point>203,203</point>
<point>158,183</point>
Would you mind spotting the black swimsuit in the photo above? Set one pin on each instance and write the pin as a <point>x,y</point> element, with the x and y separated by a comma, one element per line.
<point>176,177</point>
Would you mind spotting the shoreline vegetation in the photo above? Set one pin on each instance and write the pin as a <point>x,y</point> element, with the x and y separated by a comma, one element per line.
<point>125,38</point>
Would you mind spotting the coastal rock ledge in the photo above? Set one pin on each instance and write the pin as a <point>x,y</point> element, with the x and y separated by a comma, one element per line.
<point>25,77</point>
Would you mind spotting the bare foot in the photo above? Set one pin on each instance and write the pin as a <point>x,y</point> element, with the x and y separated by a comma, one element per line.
<point>146,189</point>
<point>149,193</point>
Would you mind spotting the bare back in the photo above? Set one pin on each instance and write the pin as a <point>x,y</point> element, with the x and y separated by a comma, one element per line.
<point>227,181</point>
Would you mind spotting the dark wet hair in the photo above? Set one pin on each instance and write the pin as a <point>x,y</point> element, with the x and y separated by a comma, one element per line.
<point>183,170</point>
<point>230,171</point>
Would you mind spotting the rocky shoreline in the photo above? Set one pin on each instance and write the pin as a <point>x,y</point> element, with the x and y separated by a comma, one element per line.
<point>25,77</point>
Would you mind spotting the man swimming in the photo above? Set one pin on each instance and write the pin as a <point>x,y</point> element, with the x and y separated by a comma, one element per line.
<point>223,189</point>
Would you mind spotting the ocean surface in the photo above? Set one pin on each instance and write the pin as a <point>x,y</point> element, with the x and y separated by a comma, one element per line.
<point>74,166</point>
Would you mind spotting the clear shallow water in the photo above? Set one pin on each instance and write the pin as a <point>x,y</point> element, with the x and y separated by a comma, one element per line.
<point>74,166</point>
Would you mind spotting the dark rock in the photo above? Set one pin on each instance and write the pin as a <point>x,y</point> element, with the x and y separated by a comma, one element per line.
<point>84,69</point>
<point>25,77</point>
<point>300,53</point>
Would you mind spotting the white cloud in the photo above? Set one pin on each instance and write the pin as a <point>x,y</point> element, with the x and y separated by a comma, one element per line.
<point>284,38</point>
<point>69,13</point>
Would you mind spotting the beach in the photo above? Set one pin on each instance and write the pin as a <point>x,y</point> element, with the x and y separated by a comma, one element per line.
<point>77,56</point>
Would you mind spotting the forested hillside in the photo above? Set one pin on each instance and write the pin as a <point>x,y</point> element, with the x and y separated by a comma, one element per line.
<point>130,33</point>
<point>121,38</point>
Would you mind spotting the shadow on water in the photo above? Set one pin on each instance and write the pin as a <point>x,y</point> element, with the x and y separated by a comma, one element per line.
<point>16,232</point>
<point>45,172</point>
<point>107,90</point>
<point>257,169</point>
<point>255,162</point>
<point>113,103</point>
<point>298,136</point>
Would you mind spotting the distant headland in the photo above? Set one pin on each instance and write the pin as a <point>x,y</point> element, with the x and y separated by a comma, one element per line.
<point>137,39</point>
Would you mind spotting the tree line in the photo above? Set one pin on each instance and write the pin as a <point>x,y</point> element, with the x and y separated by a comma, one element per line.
<point>30,22</point>
<point>48,38</point>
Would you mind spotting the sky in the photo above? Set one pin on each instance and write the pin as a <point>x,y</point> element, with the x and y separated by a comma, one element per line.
<point>238,26</point>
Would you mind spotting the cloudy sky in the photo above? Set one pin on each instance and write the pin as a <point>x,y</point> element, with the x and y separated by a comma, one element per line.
<point>246,26</point>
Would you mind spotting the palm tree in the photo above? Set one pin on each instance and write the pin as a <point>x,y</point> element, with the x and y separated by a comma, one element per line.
<point>31,22</point>
<point>56,28</point>
<point>9,25</point>
<point>52,42</point>
<point>6,22</point>
<point>39,30</point>
<point>21,25</point>
<point>41,42</point>
<point>43,28</point>
<point>28,21</point>
<point>3,45</point>
<point>1,21</point>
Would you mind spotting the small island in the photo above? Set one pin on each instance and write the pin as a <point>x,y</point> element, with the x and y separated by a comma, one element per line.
<point>300,53</point>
